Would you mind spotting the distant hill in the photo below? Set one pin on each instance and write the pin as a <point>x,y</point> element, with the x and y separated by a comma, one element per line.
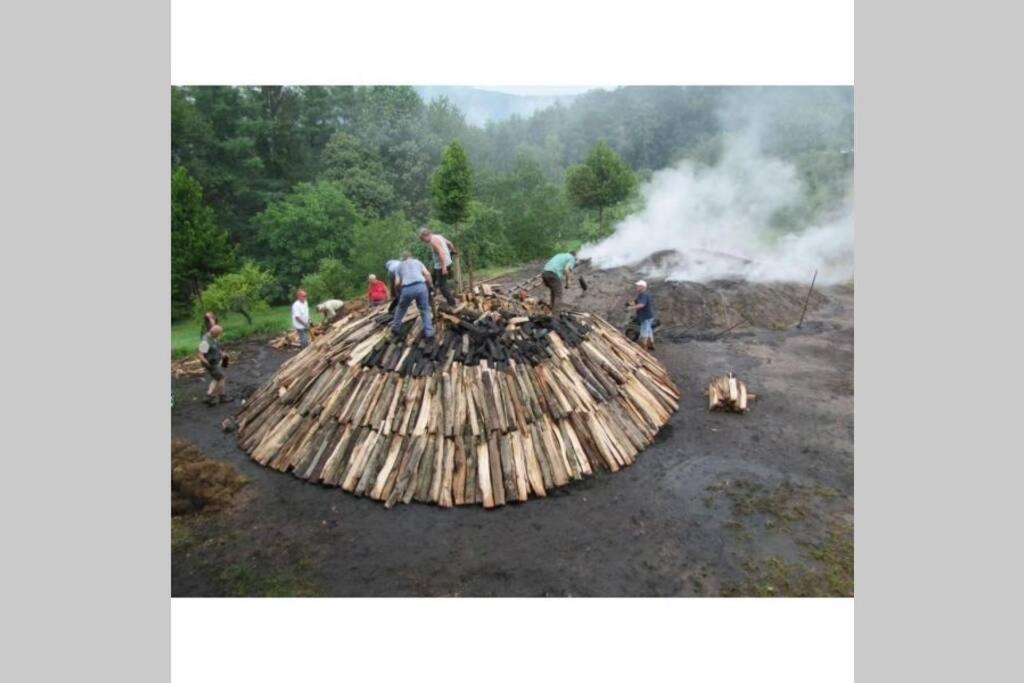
<point>485,106</point>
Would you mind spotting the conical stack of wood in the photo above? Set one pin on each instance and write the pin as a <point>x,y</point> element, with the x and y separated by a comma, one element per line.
<point>507,404</point>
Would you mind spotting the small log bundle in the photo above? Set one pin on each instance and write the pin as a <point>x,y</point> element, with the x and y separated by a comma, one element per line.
<point>729,394</point>
<point>506,404</point>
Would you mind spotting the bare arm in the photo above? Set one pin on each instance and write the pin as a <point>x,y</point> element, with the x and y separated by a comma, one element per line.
<point>440,256</point>
<point>567,272</point>
<point>426,274</point>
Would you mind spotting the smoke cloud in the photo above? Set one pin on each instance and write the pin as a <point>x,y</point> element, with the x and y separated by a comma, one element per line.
<point>717,221</point>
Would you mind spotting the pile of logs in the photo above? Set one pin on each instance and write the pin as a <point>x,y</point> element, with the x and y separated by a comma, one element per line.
<point>506,403</point>
<point>190,366</point>
<point>290,339</point>
<point>728,393</point>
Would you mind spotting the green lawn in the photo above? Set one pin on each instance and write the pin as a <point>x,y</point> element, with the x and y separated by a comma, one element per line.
<point>185,334</point>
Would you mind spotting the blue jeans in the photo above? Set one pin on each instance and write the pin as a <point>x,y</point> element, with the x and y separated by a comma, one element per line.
<point>645,328</point>
<point>303,338</point>
<point>415,292</point>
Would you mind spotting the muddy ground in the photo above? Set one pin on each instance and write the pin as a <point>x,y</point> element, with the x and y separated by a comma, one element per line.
<point>721,504</point>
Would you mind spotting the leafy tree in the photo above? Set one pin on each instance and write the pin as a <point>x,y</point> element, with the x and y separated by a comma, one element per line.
<point>199,249</point>
<point>452,186</point>
<point>602,180</point>
<point>244,291</point>
<point>330,281</point>
<point>374,243</point>
<point>314,222</point>
<point>359,173</point>
<point>484,241</point>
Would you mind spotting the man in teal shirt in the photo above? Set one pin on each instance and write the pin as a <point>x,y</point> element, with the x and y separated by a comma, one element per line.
<point>556,277</point>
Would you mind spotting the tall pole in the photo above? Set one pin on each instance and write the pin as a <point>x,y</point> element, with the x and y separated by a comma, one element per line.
<point>807,300</point>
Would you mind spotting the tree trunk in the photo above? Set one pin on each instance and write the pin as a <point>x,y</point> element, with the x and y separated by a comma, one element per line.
<point>457,261</point>
<point>245,314</point>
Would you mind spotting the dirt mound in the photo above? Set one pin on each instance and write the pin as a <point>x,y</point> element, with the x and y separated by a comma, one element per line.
<point>198,483</point>
<point>714,305</point>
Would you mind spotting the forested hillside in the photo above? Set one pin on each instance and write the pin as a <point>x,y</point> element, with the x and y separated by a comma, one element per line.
<point>319,185</point>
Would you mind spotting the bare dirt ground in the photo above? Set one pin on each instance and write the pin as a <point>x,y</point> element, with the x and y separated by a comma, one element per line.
<point>721,504</point>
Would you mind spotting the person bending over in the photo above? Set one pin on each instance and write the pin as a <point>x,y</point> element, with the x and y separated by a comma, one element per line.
<point>556,276</point>
<point>412,281</point>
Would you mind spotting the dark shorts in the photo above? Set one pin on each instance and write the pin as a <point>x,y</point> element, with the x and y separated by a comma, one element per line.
<point>216,372</point>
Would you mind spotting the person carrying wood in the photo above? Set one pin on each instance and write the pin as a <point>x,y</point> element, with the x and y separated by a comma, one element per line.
<point>412,280</point>
<point>300,318</point>
<point>643,308</point>
<point>441,250</point>
<point>214,361</point>
<point>556,277</point>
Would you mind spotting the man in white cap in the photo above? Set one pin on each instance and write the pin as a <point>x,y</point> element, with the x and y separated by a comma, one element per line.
<point>643,306</point>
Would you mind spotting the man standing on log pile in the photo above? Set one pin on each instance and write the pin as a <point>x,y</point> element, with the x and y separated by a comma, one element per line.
<point>556,272</point>
<point>412,280</point>
<point>214,361</point>
<point>300,318</point>
<point>643,307</point>
<point>441,250</point>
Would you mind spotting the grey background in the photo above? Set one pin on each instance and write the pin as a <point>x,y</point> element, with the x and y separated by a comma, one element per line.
<point>85,493</point>
<point>938,296</point>
<point>86,233</point>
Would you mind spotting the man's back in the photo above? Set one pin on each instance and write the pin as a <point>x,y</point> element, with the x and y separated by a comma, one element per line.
<point>557,263</point>
<point>410,271</point>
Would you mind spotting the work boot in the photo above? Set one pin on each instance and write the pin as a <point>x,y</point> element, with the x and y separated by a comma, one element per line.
<point>210,400</point>
<point>224,398</point>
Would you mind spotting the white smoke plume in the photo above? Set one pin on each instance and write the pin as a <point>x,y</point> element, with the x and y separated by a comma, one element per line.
<point>717,221</point>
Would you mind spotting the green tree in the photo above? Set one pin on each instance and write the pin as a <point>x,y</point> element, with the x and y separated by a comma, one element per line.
<point>314,222</point>
<point>484,241</point>
<point>374,243</point>
<point>359,173</point>
<point>452,186</point>
<point>244,291</point>
<point>199,249</point>
<point>330,281</point>
<point>602,180</point>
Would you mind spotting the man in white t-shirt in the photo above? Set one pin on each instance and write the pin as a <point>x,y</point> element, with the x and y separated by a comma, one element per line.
<point>300,318</point>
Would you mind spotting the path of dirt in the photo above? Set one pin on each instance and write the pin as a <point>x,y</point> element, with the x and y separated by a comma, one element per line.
<point>759,504</point>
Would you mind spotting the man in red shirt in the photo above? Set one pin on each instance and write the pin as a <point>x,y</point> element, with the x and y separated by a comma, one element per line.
<point>376,292</point>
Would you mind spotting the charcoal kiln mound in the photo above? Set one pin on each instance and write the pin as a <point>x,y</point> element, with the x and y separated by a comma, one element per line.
<point>507,404</point>
<point>685,301</point>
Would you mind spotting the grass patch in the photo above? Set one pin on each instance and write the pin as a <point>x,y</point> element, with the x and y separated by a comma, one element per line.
<point>181,535</point>
<point>832,577</point>
<point>488,273</point>
<point>779,507</point>
<point>185,333</point>
<point>243,580</point>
